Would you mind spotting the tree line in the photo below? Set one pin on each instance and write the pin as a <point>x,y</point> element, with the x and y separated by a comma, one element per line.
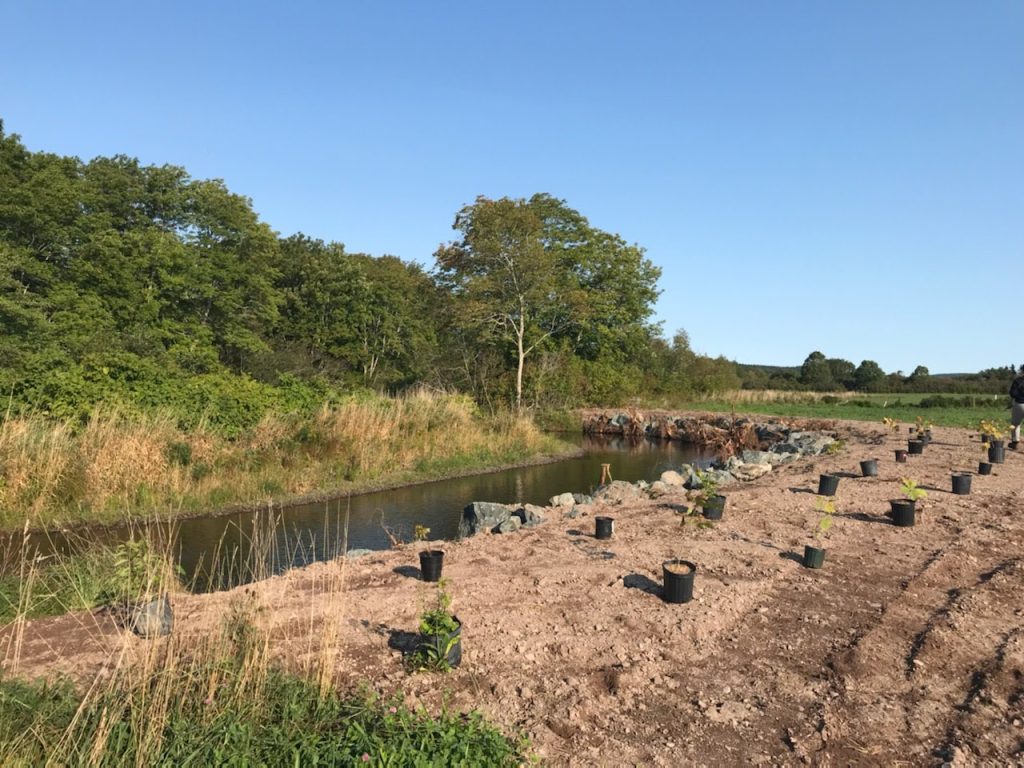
<point>139,285</point>
<point>143,286</point>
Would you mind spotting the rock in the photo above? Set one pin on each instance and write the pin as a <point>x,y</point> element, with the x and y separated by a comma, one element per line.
<point>511,525</point>
<point>757,457</point>
<point>530,515</point>
<point>618,491</point>
<point>658,488</point>
<point>804,443</point>
<point>671,477</point>
<point>483,516</point>
<point>153,619</point>
<point>352,554</point>
<point>747,472</point>
<point>562,500</point>
<point>582,498</point>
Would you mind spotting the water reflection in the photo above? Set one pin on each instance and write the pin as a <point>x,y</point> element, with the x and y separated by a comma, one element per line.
<point>217,551</point>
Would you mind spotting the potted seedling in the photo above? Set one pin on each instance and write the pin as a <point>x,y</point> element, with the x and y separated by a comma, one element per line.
<point>827,485</point>
<point>961,483</point>
<point>141,581</point>
<point>711,502</point>
<point>678,575</point>
<point>984,467</point>
<point>904,510</point>
<point>440,644</point>
<point>431,560</point>
<point>814,557</point>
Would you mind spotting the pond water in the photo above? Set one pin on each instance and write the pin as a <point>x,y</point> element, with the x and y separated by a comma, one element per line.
<point>222,550</point>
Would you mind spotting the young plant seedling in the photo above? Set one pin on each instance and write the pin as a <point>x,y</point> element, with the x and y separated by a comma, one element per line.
<point>708,488</point>
<point>990,431</point>
<point>827,508</point>
<point>420,533</point>
<point>438,628</point>
<point>891,424</point>
<point>911,490</point>
<point>834,447</point>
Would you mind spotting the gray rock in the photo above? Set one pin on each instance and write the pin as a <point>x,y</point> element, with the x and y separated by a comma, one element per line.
<point>562,500</point>
<point>582,498</point>
<point>757,457</point>
<point>153,619</point>
<point>619,491</point>
<point>804,443</point>
<point>352,554</point>
<point>671,477</point>
<point>530,515</point>
<point>747,472</point>
<point>511,525</point>
<point>659,488</point>
<point>483,516</point>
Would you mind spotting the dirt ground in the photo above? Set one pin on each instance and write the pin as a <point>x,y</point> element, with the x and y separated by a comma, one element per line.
<point>907,648</point>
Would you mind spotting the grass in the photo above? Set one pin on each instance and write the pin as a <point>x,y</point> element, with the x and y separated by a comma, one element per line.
<point>220,695</point>
<point>55,474</point>
<point>942,410</point>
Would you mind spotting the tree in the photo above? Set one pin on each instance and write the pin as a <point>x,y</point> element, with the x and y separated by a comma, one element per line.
<point>533,275</point>
<point>815,373</point>
<point>842,371</point>
<point>868,376</point>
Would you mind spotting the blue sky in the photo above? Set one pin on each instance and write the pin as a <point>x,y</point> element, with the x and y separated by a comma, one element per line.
<point>837,176</point>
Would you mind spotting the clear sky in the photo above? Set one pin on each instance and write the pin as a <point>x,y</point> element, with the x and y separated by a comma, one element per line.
<point>837,176</point>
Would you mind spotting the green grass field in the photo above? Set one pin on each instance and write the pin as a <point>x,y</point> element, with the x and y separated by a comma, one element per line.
<point>949,410</point>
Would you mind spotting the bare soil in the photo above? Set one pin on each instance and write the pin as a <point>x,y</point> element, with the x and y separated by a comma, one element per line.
<point>907,648</point>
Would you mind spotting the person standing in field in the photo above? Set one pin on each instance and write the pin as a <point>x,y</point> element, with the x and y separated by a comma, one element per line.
<point>1017,414</point>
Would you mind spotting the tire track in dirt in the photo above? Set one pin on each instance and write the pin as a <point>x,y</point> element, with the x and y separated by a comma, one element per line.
<point>905,681</point>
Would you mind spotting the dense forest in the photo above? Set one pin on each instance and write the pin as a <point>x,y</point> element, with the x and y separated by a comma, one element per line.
<point>141,286</point>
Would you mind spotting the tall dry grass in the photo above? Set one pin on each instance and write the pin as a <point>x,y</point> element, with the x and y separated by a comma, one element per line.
<point>134,702</point>
<point>53,473</point>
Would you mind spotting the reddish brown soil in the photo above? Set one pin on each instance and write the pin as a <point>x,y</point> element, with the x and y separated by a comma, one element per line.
<point>907,648</point>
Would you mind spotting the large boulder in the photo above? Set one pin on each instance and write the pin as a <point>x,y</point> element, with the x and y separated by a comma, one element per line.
<point>511,525</point>
<point>562,500</point>
<point>619,491</point>
<point>671,477</point>
<point>483,516</point>
<point>153,619</point>
<point>530,515</point>
<point>747,472</point>
<point>804,443</point>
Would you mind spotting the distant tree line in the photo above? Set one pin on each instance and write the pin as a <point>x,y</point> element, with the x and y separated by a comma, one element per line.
<point>829,374</point>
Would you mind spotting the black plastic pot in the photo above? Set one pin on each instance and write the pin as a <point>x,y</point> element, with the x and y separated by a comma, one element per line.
<point>827,485</point>
<point>678,575</point>
<point>603,527</point>
<point>915,446</point>
<point>714,507</point>
<point>984,468</point>
<point>901,456</point>
<point>431,561</point>
<point>448,646</point>
<point>869,468</point>
<point>814,557</point>
<point>961,484</point>
<point>996,452</point>
<point>997,444</point>
<point>902,512</point>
